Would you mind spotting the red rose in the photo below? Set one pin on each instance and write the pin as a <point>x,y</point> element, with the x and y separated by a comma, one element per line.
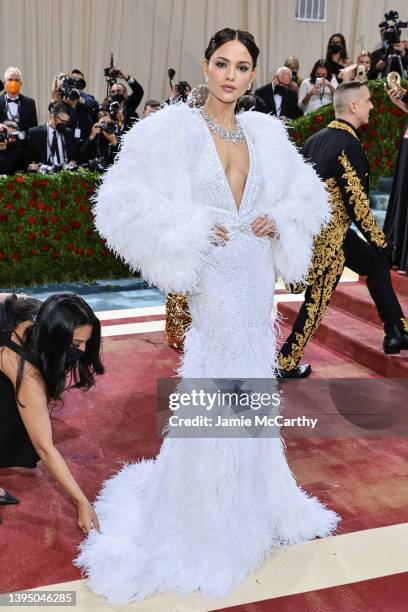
<point>3,218</point>
<point>70,246</point>
<point>55,254</point>
<point>397,111</point>
<point>48,208</point>
<point>45,220</point>
<point>44,182</point>
<point>40,205</point>
<point>20,179</point>
<point>65,229</point>
<point>31,220</point>
<point>102,240</point>
<point>105,253</point>
<point>54,195</point>
<point>77,199</point>
<point>75,224</point>
<point>21,211</point>
<point>2,255</point>
<point>31,236</point>
<point>9,186</point>
<point>31,203</point>
<point>79,251</point>
<point>45,247</point>
<point>89,252</point>
<point>57,237</point>
<point>63,204</point>
<point>374,166</point>
<point>83,209</point>
<point>34,251</point>
<point>374,133</point>
<point>10,206</point>
<point>45,233</point>
<point>16,256</point>
<point>37,183</point>
<point>380,109</point>
<point>17,195</point>
<point>319,118</point>
<point>90,231</point>
<point>85,184</point>
<point>390,163</point>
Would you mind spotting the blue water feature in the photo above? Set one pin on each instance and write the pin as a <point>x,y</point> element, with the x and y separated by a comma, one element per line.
<point>101,295</point>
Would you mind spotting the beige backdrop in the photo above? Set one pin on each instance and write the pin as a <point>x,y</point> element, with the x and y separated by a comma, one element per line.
<point>43,37</point>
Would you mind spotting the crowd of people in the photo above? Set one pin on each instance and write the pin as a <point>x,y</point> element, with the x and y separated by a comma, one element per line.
<point>82,131</point>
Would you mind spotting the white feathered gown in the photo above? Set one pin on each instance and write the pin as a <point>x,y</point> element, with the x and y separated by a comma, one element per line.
<point>206,512</point>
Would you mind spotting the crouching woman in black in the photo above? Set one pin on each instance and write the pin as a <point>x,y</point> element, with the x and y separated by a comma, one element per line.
<point>45,348</point>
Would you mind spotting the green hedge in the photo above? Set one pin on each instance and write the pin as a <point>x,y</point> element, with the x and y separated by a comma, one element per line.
<point>47,232</point>
<point>381,138</point>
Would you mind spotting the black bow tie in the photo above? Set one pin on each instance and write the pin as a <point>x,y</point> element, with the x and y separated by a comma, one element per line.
<point>10,100</point>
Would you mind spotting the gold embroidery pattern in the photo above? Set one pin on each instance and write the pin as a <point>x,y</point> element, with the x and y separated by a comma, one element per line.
<point>327,266</point>
<point>360,203</point>
<point>339,125</point>
<point>178,318</point>
<point>404,322</point>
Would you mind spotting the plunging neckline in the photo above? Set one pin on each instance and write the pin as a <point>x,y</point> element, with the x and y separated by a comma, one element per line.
<point>221,167</point>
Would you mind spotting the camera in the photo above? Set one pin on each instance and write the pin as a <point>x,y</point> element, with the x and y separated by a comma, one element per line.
<point>109,128</point>
<point>68,88</point>
<point>111,73</point>
<point>392,27</point>
<point>96,165</point>
<point>5,135</point>
<point>113,109</point>
<point>182,89</point>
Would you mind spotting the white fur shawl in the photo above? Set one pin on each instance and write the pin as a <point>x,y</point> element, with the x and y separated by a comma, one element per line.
<point>144,207</point>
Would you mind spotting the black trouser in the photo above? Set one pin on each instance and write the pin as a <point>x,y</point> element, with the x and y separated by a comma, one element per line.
<point>362,258</point>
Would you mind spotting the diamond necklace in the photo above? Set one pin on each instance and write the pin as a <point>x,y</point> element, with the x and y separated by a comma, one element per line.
<point>237,135</point>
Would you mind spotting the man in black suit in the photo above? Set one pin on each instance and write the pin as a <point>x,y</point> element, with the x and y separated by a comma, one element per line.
<point>13,105</point>
<point>278,97</point>
<point>52,143</point>
<point>12,152</point>
<point>126,104</point>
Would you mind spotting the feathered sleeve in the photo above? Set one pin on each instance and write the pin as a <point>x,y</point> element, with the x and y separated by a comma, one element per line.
<point>144,209</point>
<point>300,212</point>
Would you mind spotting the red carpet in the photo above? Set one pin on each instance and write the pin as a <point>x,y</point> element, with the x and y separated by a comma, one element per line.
<point>363,480</point>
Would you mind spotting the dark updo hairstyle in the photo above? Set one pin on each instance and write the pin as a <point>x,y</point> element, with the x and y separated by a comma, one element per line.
<point>50,336</point>
<point>321,63</point>
<point>226,35</point>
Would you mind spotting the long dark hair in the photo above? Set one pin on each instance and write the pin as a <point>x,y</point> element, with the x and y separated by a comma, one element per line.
<point>226,35</point>
<point>50,336</point>
<point>343,52</point>
<point>321,64</point>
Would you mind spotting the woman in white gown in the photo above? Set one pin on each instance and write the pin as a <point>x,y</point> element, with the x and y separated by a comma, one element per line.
<point>214,206</point>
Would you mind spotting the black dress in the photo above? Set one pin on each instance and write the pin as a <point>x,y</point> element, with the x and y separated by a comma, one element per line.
<point>396,219</point>
<point>16,449</point>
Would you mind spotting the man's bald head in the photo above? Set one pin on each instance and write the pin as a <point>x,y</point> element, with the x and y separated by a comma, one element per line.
<point>284,75</point>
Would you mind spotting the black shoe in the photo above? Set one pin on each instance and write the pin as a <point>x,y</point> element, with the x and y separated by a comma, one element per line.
<point>7,499</point>
<point>395,341</point>
<point>302,371</point>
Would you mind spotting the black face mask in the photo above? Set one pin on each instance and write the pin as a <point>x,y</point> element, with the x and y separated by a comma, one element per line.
<point>73,355</point>
<point>335,48</point>
<point>59,127</point>
<point>117,98</point>
<point>294,74</point>
<point>279,89</point>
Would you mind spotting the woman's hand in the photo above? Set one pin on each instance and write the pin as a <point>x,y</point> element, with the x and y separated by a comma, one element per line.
<point>264,226</point>
<point>86,517</point>
<point>393,95</point>
<point>221,235</point>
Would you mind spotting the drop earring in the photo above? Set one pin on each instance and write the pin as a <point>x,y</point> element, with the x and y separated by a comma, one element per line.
<point>198,95</point>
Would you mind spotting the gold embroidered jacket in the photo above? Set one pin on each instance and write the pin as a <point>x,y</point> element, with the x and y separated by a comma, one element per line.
<point>340,160</point>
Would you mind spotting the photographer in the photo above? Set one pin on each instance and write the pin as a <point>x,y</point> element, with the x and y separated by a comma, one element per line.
<point>82,109</point>
<point>52,143</point>
<point>317,90</point>
<point>102,145</point>
<point>13,105</point>
<point>361,71</point>
<point>12,153</point>
<point>390,31</point>
<point>91,102</point>
<point>121,105</point>
<point>180,92</point>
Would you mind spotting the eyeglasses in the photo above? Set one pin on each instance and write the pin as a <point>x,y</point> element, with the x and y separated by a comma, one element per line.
<point>64,121</point>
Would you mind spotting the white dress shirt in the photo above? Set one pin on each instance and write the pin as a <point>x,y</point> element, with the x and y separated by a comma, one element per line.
<point>61,147</point>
